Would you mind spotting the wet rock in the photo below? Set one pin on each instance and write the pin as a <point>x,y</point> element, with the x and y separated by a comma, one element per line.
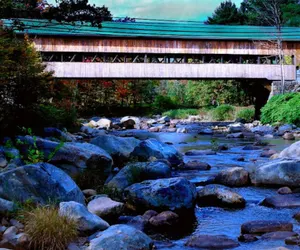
<point>219,196</point>
<point>149,214</point>
<point>211,242</point>
<point>154,129</point>
<point>89,192</point>
<point>164,119</point>
<point>154,148</point>
<point>294,240</point>
<point>138,222</point>
<point>196,165</point>
<point>233,177</point>
<point>174,194</point>
<point>262,227</point>
<point>72,157</point>
<point>171,130</point>
<point>251,147</point>
<point>130,122</point>
<point>284,128</point>
<point>284,190</point>
<point>151,122</point>
<point>288,136</point>
<point>118,236</point>
<point>247,238</point>
<point>282,201</point>
<point>277,172</point>
<point>268,153</point>
<point>182,130</point>
<point>16,223</point>
<point>138,172</point>
<point>3,161</point>
<point>263,130</point>
<point>236,128</point>
<point>10,233</point>
<point>55,132</point>
<point>240,159</point>
<point>279,235</point>
<point>200,152</point>
<point>235,135</point>
<point>119,148</point>
<point>164,220</point>
<point>86,221</point>
<point>297,216</point>
<point>6,206</point>
<point>39,182</point>
<point>104,123</point>
<point>105,207</point>
<point>206,131</point>
<point>292,151</point>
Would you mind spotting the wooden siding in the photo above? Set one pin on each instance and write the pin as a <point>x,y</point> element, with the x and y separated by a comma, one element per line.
<point>117,45</point>
<point>169,71</point>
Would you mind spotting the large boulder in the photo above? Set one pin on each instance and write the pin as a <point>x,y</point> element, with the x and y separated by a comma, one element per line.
<point>104,123</point>
<point>261,227</point>
<point>154,148</point>
<point>130,122</point>
<point>138,172</point>
<point>105,207</point>
<point>56,133</point>
<point>86,221</point>
<point>211,242</point>
<point>219,196</point>
<point>174,194</point>
<point>233,177</point>
<point>70,156</point>
<point>282,201</point>
<point>284,128</point>
<point>263,130</point>
<point>236,127</point>
<point>121,237</point>
<point>41,183</point>
<point>283,172</point>
<point>119,148</point>
<point>292,151</point>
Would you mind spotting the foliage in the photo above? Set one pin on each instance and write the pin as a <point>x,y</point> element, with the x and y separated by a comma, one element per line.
<point>181,113</point>
<point>282,108</point>
<point>49,230</point>
<point>246,114</point>
<point>162,103</point>
<point>223,112</point>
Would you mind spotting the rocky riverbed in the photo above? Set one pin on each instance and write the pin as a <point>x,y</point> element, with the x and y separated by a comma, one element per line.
<point>176,184</point>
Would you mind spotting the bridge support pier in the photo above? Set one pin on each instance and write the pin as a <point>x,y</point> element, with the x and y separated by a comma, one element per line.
<point>290,87</point>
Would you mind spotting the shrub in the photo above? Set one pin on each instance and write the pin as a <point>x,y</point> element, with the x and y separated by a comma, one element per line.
<point>162,103</point>
<point>282,108</point>
<point>48,230</point>
<point>223,112</point>
<point>181,113</point>
<point>246,114</point>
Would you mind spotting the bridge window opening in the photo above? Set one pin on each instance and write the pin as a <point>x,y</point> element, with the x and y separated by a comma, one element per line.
<point>160,58</point>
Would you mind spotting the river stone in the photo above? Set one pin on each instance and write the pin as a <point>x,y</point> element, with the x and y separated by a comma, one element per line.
<point>277,172</point>
<point>219,196</point>
<point>262,227</point>
<point>104,123</point>
<point>211,242</point>
<point>164,220</point>
<point>288,136</point>
<point>6,206</point>
<point>282,201</point>
<point>297,216</point>
<point>263,130</point>
<point>196,165</point>
<point>284,128</point>
<point>268,153</point>
<point>130,122</point>
<point>86,221</point>
<point>164,119</point>
<point>233,177</point>
<point>121,237</point>
<point>235,135</point>
<point>149,214</point>
<point>55,132</point>
<point>174,194</point>
<point>279,235</point>
<point>195,152</point>
<point>41,182</point>
<point>292,151</point>
<point>119,148</point>
<point>73,157</point>
<point>284,190</point>
<point>294,240</point>
<point>105,207</point>
<point>138,172</point>
<point>247,238</point>
<point>236,128</point>
<point>154,148</point>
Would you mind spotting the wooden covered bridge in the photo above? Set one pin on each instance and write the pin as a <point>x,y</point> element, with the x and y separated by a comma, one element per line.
<point>164,50</point>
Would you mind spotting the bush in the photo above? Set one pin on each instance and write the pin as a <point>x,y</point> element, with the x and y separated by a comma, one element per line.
<point>162,103</point>
<point>181,113</point>
<point>48,230</point>
<point>282,108</point>
<point>223,112</point>
<point>246,114</point>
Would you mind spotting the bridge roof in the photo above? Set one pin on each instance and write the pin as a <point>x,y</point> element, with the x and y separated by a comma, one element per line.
<point>157,30</point>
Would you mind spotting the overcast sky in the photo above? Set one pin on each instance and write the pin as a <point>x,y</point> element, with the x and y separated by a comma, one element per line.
<point>196,10</point>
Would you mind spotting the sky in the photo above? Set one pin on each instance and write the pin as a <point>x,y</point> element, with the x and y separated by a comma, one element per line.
<point>189,10</point>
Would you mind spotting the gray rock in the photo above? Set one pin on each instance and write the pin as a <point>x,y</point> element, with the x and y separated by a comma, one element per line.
<point>104,123</point>
<point>105,207</point>
<point>130,122</point>
<point>150,213</point>
<point>279,235</point>
<point>206,131</point>
<point>219,196</point>
<point>121,237</point>
<point>284,190</point>
<point>200,152</point>
<point>289,136</point>
<point>263,130</point>
<point>268,153</point>
<point>247,238</point>
<point>282,201</point>
<point>3,161</point>
<point>294,240</point>
<point>196,165</point>
<point>138,172</point>
<point>284,128</point>
<point>154,148</point>
<point>261,227</point>
<point>292,151</point>
<point>211,242</point>
<point>233,177</point>
<point>236,128</point>
<point>40,182</point>
<point>119,148</point>
<point>73,157</point>
<point>89,192</point>
<point>164,119</point>
<point>138,222</point>
<point>92,132</point>
<point>164,220</point>
<point>235,135</point>
<point>55,132</point>
<point>174,194</point>
<point>86,221</point>
<point>6,206</point>
<point>182,130</point>
<point>297,216</point>
<point>283,172</point>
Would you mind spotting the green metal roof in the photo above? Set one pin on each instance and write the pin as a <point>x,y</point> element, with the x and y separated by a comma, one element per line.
<point>157,29</point>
